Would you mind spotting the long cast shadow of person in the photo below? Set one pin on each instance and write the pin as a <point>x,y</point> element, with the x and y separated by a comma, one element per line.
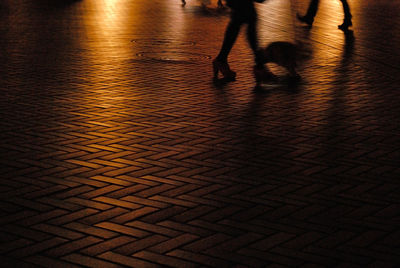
<point>308,18</point>
<point>242,12</point>
<point>339,125</point>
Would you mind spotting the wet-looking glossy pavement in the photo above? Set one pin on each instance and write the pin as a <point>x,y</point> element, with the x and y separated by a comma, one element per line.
<point>118,150</point>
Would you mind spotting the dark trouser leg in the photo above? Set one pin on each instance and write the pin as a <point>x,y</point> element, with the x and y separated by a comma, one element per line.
<point>346,10</point>
<point>231,34</point>
<point>312,9</point>
<point>347,16</point>
<point>253,42</point>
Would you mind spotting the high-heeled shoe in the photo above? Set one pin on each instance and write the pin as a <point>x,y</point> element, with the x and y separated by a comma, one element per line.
<point>223,67</point>
<point>262,75</point>
<point>345,25</point>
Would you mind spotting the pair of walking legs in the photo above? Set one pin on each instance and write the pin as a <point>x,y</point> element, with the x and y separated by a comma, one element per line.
<point>244,14</point>
<point>308,18</point>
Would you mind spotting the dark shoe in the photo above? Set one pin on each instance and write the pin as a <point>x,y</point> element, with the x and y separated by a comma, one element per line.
<point>223,67</point>
<point>262,75</point>
<point>307,20</point>
<point>345,25</point>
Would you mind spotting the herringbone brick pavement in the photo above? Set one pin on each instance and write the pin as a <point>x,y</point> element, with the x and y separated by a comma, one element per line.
<point>118,150</point>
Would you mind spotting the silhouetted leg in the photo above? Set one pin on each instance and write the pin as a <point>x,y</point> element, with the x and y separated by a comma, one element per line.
<point>311,12</point>
<point>253,42</point>
<point>261,72</point>
<point>347,16</point>
<point>346,10</point>
<point>312,9</point>
<point>231,34</point>
<point>292,72</point>
<point>220,63</point>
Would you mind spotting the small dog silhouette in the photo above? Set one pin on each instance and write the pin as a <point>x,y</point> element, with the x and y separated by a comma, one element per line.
<point>283,54</point>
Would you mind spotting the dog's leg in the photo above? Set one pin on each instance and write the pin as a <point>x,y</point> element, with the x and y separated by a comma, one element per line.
<point>293,73</point>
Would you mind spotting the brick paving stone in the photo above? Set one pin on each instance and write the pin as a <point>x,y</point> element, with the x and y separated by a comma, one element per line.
<point>89,261</point>
<point>144,201</point>
<point>162,179</point>
<point>72,246</point>
<point>204,201</point>
<point>314,258</point>
<point>180,190</point>
<point>186,228</point>
<point>367,238</point>
<point>103,216</point>
<point>44,261</point>
<point>163,214</point>
<point>58,231</point>
<point>336,239</point>
<point>29,204</point>
<point>193,213</point>
<point>221,213</point>
<point>238,257</point>
<point>42,217</point>
<point>60,203</point>
<point>73,192</point>
<point>164,260</point>
<point>239,242</point>
<point>122,229</point>
<point>368,253</point>
<point>107,245</point>
<point>303,240</point>
<point>339,256</point>
<point>154,228</point>
<point>8,262</point>
<point>141,244</point>
<point>44,192</point>
<point>87,181</point>
<point>91,230</point>
<point>15,244</point>
<point>117,148</point>
<point>199,258</point>
<point>127,190</point>
<point>173,243</point>
<point>112,180</point>
<point>36,248</point>
<point>155,190</point>
<point>392,239</point>
<point>117,202</point>
<point>272,241</point>
<point>129,216</point>
<point>101,191</point>
<point>206,242</point>
<point>127,260</point>
<point>25,232</point>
